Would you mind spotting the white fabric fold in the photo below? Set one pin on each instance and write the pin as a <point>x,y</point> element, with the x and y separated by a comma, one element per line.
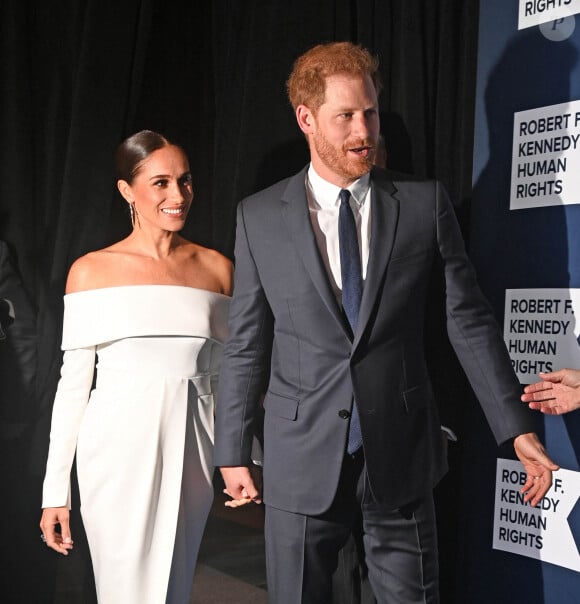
<point>104,315</point>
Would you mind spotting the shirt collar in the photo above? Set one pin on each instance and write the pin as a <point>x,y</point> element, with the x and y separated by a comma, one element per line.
<point>326,194</point>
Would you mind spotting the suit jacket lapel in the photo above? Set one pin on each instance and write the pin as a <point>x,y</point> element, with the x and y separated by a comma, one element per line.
<point>297,218</point>
<point>384,216</point>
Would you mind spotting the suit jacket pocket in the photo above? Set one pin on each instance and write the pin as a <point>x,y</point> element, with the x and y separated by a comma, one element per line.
<point>281,406</point>
<point>417,397</point>
<point>412,258</point>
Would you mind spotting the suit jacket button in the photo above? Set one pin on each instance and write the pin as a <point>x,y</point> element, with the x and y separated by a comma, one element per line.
<point>344,414</point>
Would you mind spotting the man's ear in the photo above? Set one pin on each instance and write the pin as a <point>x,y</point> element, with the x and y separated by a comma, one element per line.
<point>305,119</point>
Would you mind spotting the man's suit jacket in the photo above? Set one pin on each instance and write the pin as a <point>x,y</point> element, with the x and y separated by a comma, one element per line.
<point>289,338</point>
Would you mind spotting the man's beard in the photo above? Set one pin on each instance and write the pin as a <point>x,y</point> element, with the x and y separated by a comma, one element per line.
<point>339,162</point>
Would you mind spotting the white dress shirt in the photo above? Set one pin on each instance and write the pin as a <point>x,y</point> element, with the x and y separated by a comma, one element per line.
<point>324,205</point>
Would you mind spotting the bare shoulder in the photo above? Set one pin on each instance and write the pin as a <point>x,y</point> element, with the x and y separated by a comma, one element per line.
<point>83,273</point>
<point>215,258</point>
<point>216,267</point>
<point>94,270</point>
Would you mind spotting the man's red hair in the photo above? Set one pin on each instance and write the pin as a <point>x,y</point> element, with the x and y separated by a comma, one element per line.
<point>307,82</point>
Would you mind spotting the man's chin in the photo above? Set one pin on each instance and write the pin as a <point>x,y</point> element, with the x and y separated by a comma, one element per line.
<point>360,168</point>
<point>349,170</point>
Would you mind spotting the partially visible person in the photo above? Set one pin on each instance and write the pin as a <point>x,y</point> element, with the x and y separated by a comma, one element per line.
<point>557,393</point>
<point>18,350</point>
<point>6,316</point>
<point>9,283</point>
<point>152,311</point>
<point>19,418</point>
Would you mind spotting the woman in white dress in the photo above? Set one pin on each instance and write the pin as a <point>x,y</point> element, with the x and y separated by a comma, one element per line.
<point>151,312</point>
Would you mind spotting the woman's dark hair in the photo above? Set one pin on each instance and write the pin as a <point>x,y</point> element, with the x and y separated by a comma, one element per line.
<point>133,151</point>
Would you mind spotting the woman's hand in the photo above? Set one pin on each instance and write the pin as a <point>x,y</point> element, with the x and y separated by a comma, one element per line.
<point>60,542</point>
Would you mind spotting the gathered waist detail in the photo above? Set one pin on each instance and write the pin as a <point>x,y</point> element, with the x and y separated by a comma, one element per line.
<point>126,379</point>
<point>189,356</point>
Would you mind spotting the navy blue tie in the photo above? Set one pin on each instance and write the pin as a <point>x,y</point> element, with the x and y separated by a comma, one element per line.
<point>351,273</point>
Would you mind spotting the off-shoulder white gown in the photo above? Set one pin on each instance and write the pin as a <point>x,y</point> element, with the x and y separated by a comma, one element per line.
<point>143,434</point>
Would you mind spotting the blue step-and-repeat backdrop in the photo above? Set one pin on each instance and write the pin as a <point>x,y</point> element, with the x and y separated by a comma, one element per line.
<point>525,244</point>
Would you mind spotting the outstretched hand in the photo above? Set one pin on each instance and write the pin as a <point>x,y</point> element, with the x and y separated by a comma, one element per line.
<point>538,466</point>
<point>557,393</point>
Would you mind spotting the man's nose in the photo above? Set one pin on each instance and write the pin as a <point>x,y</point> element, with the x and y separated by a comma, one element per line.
<point>361,127</point>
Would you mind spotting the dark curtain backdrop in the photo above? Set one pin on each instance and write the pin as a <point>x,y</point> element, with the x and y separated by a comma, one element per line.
<point>77,76</point>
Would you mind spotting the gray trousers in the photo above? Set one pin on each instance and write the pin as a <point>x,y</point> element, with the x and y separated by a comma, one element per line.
<point>400,547</point>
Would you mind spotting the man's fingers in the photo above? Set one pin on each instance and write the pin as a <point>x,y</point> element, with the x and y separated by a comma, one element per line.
<point>240,486</point>
<point>536,487</point>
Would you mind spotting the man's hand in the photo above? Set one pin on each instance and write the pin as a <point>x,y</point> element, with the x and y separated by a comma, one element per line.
<point>537,464</point>
<point>557,393</point>
<point>241,484</point>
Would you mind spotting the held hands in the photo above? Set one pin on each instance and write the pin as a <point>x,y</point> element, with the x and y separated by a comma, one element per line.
<point>558,393</point>
<point>243,485</point>
<point>538,466</point>
<point>59,542</point>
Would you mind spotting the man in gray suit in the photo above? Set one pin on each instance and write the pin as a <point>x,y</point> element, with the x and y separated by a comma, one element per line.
<point>336,270</point>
